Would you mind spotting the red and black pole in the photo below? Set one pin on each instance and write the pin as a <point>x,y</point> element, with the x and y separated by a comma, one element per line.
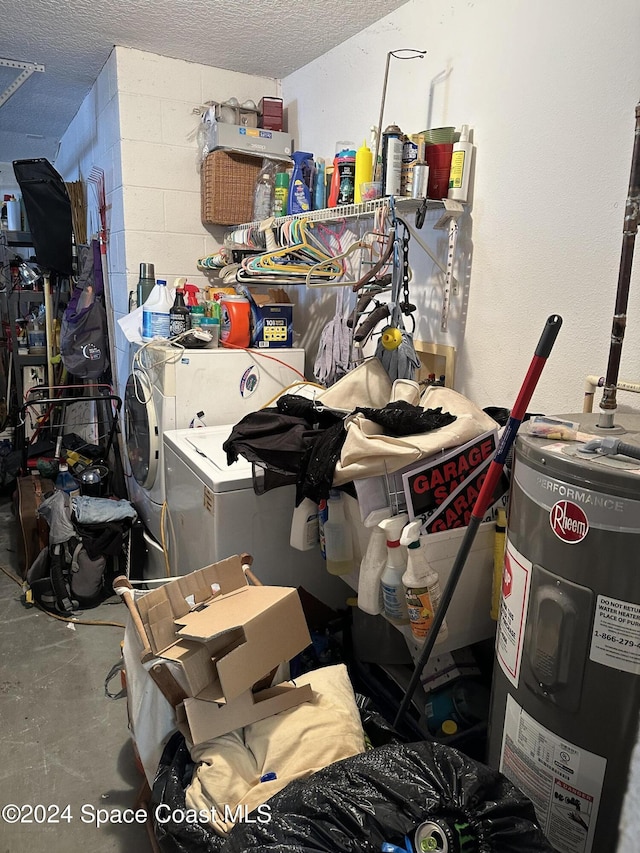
<point>483,501</point>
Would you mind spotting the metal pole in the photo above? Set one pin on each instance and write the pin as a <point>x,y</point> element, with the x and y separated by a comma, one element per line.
<point>608,404</point>
<point>545,344</point>
<point>48,322</point>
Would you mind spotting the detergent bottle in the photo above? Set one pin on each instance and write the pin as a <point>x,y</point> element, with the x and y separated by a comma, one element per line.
<point>422,585</point>
<point>235,329</point>
<point>299,200</point>
<point>337,537</point>
<point>393,597</point>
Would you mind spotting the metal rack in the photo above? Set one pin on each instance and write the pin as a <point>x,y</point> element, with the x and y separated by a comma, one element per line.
<point>346,211</point>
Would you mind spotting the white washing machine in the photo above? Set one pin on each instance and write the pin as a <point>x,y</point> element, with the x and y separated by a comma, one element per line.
<point>213,512</point>
<point>169,386</point>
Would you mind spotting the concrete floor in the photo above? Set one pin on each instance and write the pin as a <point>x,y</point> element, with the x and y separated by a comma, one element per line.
<point>64,743</point>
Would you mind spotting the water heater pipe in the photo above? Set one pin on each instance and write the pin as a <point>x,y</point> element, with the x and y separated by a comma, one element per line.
<point>483,501</point>
<point>608,404</point>
<point>592,382</point>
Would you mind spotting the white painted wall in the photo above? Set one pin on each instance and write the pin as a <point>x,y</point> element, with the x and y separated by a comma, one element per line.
<point>550,90</point>
<point>138,124</point>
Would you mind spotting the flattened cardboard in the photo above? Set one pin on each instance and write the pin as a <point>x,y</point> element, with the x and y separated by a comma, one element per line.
<point>273,626</point>
<point>217,580</point>
<point>207,720</point>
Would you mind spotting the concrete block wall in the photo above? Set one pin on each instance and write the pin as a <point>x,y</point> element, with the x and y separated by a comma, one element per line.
<point>144,104</point>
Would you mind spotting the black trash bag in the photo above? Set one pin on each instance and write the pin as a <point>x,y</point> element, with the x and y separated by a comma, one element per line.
<point>384,795</point>
<point>355,805</point>
<point>401,418</point>
<point>168,801</point>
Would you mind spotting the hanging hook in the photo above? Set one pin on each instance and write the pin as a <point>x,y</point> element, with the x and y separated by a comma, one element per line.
<point>414,54</point>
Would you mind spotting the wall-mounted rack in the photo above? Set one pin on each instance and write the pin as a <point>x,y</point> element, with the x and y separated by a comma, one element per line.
<point>348,211</point>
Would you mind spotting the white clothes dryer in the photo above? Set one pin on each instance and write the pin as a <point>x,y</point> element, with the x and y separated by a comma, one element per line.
<point>169,387</point>
<point>213,513</point>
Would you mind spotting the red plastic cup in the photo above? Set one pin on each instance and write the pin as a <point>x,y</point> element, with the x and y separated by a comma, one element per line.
<point>439,159</point>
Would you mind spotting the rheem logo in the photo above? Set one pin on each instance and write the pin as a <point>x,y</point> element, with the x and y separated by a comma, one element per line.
<point>568,522</point>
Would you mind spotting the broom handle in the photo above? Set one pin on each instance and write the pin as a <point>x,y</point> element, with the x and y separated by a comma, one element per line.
<point>545,345</point>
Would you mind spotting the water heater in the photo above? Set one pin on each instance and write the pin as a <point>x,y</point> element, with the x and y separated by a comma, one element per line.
<point>566,686</point>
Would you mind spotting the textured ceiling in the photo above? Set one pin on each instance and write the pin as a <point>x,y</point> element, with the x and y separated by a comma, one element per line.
<point>73,40</point>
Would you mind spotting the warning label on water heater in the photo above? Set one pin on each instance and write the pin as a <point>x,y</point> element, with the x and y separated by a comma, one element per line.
<point>562,780</point>
<point>615,640</point>
<point>516,582</point>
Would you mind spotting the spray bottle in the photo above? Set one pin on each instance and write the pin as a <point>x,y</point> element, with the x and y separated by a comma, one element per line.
<point>422,585</point>
<point>299,200</point>
<point>393,597</point>
<point>373,564</point>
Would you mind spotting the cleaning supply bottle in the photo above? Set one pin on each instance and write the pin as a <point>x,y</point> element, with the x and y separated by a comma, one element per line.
<point>179,314</point>
<point>299,200</point>
<point>281,194</point>
<point>393,597</point>
<point>392,144</point>
<point>304,526</point>
<point>347,176</point>
<point>373,563</point>
<point>364,169</point>
<point>422,585</point>
<point>337,537</point>
<point>461,158</point>
<point>191,292</point>
<point>319,189</point>
<point>235,330</point>
<point>65,482</point>
<point>155,312</point>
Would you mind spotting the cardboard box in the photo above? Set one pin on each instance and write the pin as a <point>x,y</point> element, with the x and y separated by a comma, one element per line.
<point>250,140</point>
<point>225,637</point>
<point>246,636</point>
<point>271,320</point>
<point>200,719</point>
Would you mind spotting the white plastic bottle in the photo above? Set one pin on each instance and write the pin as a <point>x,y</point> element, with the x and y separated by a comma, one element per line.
<point>372,564</point>
<point>393,597</point>
<point>337,537</point>
<point>155,312</point>
<point>461,158</point>
<point>305,533</point>
<point>422,586</point>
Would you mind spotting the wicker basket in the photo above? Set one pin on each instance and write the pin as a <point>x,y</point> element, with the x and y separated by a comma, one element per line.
<point>228,182</point>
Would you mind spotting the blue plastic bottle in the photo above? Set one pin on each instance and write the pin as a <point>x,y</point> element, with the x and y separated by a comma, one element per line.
<point>299,200</point>
<point>319,191</point>
<point>66,482</point>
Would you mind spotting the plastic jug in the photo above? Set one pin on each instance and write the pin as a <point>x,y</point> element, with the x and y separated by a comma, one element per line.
<point>235,331</point>
<point>155,313</point>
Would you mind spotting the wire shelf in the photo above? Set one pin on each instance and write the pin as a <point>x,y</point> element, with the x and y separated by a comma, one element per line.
<point>345,211</point>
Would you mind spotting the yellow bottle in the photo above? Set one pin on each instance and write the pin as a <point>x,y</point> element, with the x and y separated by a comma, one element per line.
<point>364,169</point>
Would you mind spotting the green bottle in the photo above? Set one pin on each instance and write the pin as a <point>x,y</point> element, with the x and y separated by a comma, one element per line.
<point>281,194</point>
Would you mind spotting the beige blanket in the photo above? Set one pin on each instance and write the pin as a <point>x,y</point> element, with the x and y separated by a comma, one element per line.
<point>293,745</point>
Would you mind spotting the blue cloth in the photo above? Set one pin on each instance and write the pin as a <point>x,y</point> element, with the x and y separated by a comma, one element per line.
<point>89,510</point>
